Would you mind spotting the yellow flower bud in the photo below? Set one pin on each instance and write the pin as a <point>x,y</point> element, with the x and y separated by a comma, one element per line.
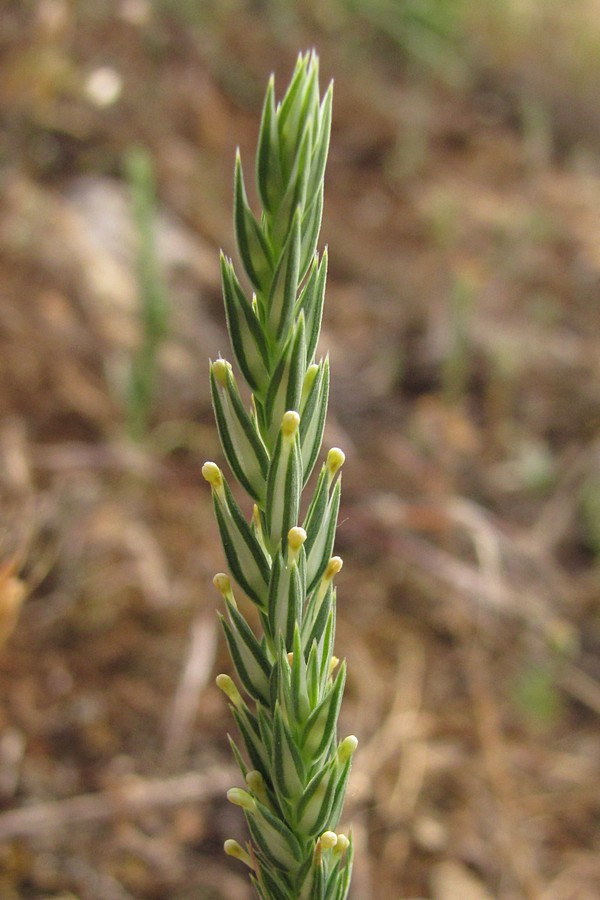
<point>232,848</point>
<point>227,685</point>
<point>328,840</point>
<point>335,461</point>
<point>256,783</point>
<point>342,845</point>
<point>290,423</point>
<point>242,798</point>
<point>347,748</point>
<point>213,475</point>
<point>221,369</point>
<point>333,567</point>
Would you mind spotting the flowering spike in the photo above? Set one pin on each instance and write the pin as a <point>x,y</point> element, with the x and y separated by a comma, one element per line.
<point>288,700</point>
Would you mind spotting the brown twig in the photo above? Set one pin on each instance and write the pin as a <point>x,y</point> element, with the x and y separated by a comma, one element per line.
<point>126,799</point>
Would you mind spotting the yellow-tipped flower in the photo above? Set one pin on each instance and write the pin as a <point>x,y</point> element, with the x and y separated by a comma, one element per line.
<point>296,538</point>
<point>242,798</point>
<point>232,848</point>
<point>333,567</point>
<point>290,423</point>
<point>347,748</point>
<point>257,785</point>
<point>221,370</point>
<point>222,583</point>
<point>309,380</point>
<point>335,461</point>
<point>328,840</point>
<point>212,473</point>
<point>226,684</point>
<point>341,846</point>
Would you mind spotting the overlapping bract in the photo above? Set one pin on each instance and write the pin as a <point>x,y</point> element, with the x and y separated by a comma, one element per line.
<point>294,767</point>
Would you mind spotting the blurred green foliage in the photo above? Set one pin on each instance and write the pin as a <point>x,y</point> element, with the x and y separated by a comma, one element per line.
<point>537,695</point>
<point>427,33</point>
<point>153,297</point>
<point>589,503</point>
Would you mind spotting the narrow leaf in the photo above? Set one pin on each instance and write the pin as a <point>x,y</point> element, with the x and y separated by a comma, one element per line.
<point>315,806</point>
<point>320,547</point>
<point>311,226</point>
<point>276,841</point>
<point>285,389</point>
<point>251,736</point>
<point>289,775</point>
<point>312,422</point>
<point>245,556</point>
<point>247,654</point>
<point>284,482</point>
<point>268,165</point>
<point>242,445</point>
<point>282,297</point>
<point>321,726</point>
<point>253,247</point>
<point>247,339</point>
<point>311,301</point>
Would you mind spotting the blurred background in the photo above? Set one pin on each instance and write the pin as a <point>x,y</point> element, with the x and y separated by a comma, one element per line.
<point>462,218</point>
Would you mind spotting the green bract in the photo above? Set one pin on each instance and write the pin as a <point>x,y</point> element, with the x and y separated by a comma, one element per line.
<point>294,767</point>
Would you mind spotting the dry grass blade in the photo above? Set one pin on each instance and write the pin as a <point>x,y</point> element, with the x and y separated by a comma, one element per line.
<point>12,595</point>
